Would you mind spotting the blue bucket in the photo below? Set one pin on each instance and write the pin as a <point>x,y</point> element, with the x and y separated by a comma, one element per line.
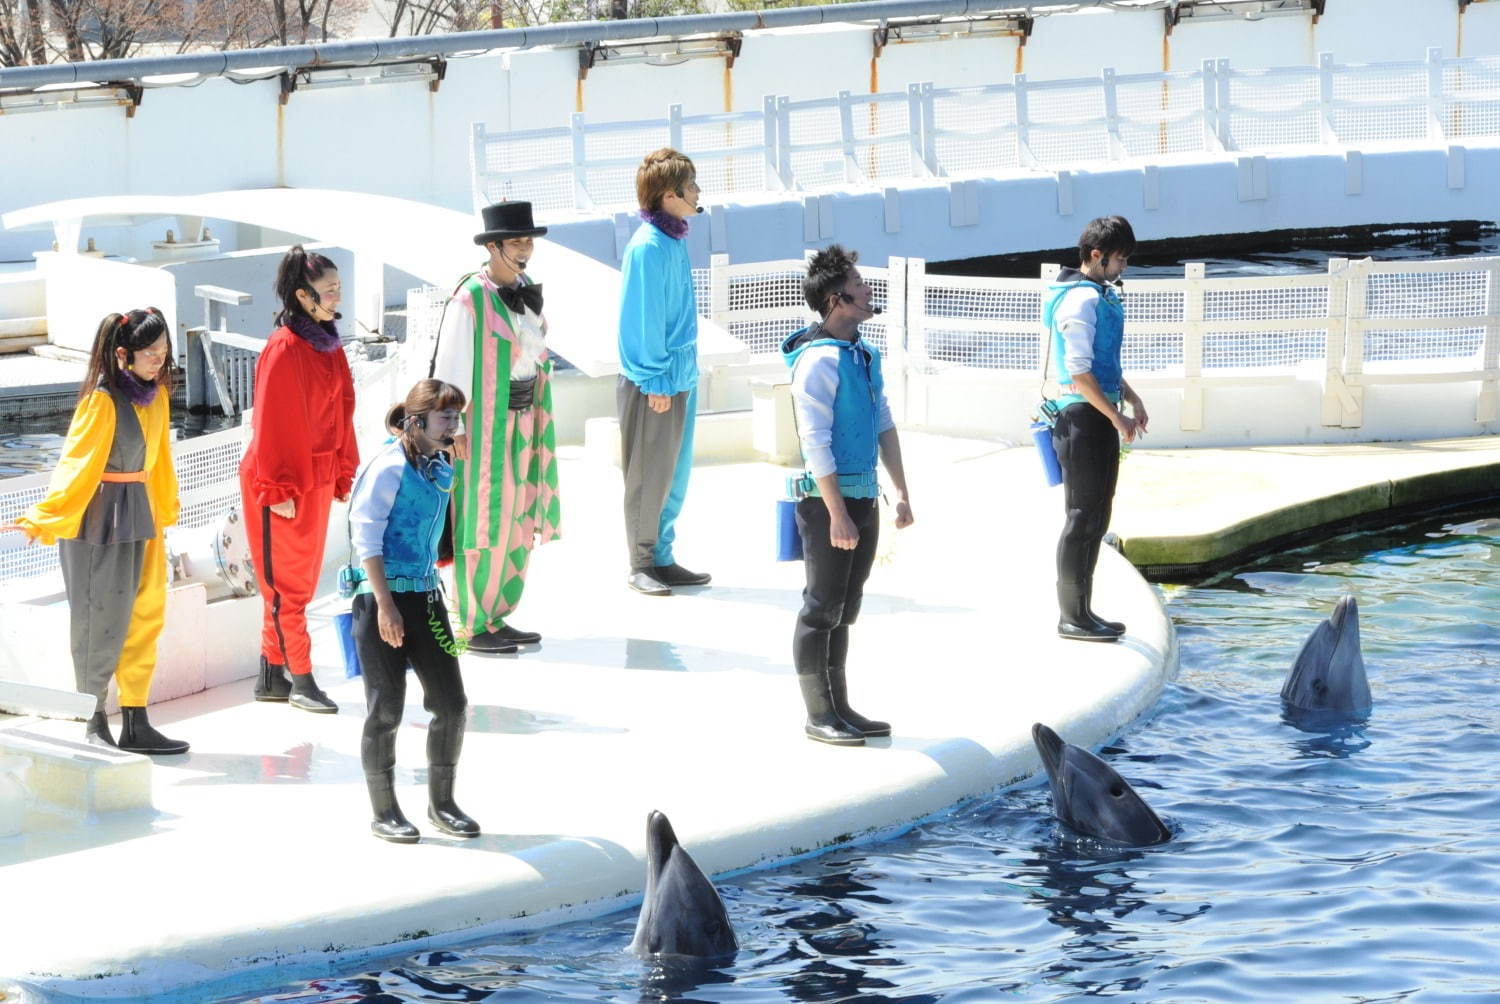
<point>343,624</point>
<point>788,538</point>
<point>1041,434</point>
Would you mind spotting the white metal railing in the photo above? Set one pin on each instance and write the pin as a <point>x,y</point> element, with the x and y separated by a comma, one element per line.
<point>1361,323</point>
<point>927,131</point>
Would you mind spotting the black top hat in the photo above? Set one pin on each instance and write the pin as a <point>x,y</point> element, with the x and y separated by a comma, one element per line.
<point>507,219</point>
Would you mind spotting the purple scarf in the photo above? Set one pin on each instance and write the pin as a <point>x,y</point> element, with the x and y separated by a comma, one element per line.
<point>666,223</point>
<point>321,335</point>
<point>141,393</point>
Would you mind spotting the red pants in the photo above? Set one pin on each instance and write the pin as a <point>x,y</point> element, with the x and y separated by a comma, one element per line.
<point>288,555</point>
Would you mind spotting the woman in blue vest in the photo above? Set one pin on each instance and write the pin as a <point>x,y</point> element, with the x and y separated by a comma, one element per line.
<point>1087,323</point>
<point>396,516</point>
<point>845,426</point>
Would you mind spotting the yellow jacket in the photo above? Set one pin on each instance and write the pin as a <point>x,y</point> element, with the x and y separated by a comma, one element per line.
<point>75,481</point>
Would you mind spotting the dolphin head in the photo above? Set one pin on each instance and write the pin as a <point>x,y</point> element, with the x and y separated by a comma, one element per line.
<point>1329,674</point>
<point>682,913</point>
<point>1091,798</point>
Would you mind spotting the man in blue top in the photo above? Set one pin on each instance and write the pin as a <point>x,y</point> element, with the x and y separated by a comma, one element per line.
<point>845,425</point>
<point>657,395</point>
<point>1087,324</point>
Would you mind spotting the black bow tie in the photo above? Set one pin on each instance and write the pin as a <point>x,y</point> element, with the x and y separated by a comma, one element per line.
<point>519,298</point>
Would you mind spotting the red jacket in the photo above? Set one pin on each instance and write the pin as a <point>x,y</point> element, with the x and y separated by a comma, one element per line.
<point>303,425</point>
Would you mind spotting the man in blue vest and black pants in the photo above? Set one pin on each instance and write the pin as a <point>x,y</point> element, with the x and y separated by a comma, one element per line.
<point>1087,324</point>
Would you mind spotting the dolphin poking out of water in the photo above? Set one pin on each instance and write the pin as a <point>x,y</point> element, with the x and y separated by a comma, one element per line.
<point>1091,798</point>
<point>682,913</point>
<point>1329,674</point>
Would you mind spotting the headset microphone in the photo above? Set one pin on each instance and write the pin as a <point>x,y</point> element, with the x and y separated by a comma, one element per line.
<point>871,308</point>
<point>698,209</point>
<point>318,302</point>
<point>519,266</point>
<point>447,440</point>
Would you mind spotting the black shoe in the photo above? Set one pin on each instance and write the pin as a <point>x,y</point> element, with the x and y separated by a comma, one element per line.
<point>96,731</point>
<point>517,636</point>
<point>1088,611</point>
<point>444,813</point>
<point>1074,622</point>
<point>137,735</point>
<point>643,583</point>
<point>307,695</point>
<point>823,722</point>
<point>272,684</point>
<point>1086,632</point>
<point>838,689</point>
<point>491,643</point>
<point>389,822</point>
<point>675,575</point>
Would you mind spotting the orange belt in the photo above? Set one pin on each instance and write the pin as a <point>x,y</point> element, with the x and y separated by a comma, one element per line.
<point>127,478</point>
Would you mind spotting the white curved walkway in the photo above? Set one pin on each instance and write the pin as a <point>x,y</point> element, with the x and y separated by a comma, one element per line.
<point>258,854</point>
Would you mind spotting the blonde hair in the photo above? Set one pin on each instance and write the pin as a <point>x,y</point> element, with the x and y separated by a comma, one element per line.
<point>661,172</point>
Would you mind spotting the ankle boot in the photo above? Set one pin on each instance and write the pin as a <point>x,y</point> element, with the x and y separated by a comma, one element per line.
<point>823,722</point>
<point>441,809</point>
<point>96,731</point>
<point>1088,598</point>
<point>137,735</point>
<point>1075,622</point>
<point>838,688</point>
<point>309,697</point>
<point>389,823</point>
<point>272,684</point>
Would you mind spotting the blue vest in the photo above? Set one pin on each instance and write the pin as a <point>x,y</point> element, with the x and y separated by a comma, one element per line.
<point>856,405</point>
<point>1109,334</point>
<point>415,522</point>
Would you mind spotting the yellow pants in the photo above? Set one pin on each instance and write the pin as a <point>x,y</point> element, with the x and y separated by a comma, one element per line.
<point>138,657</point>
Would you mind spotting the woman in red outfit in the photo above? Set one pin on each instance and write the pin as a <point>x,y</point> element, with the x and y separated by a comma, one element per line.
<point>302,456</point>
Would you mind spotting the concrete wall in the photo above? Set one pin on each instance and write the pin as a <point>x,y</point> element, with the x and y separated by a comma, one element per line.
<point>403,140</point>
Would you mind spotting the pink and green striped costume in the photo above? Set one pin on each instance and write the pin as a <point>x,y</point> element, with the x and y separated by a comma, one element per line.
<point>505,495</point>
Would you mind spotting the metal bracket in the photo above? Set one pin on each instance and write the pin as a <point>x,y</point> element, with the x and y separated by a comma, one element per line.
<point>882,38</point>
<point>587,54</point>
<point>134,90</point>
<point>440,68</point>
<point>288,85</point>
<point>1172,14</point>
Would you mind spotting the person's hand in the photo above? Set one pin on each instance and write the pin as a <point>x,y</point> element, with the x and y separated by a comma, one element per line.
<point>461,446</point>
<point>389,621</point>
<point>18,528</point>
<point>341,498</point>
<point>286,510</point>
<point>659,403</point>
<point>1138,410</point>
<point>842,532</point>
<point>904,518</point>
<point>1126,426</point>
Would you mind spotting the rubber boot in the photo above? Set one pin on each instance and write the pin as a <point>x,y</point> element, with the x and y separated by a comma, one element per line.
<point>137,735</point>
<point>96,731</point>
<point>307,695</point>
<point>441,809</point>
<point>838,689</point>
<point>823,722</point>
<point>272,684</point>
<point>1117,627</point>
<point>1075,623</point>
<point>389,823</point>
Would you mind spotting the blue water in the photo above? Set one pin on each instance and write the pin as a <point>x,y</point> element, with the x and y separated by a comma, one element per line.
<point>1358,864</point>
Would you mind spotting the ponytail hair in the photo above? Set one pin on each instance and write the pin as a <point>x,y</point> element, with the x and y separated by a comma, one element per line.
<point>299,269</point>
<point>132,331</point>
<point>425,396</point>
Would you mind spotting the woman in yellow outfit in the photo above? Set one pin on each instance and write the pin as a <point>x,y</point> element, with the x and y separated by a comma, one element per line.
<point>113,493</point>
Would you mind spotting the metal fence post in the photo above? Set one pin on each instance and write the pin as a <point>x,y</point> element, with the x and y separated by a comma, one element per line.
<point>1023,123</point>
<point>1326,132</point>
<point>784,142</point>
<point>718,289</point>
<point>896,305</point>
<point>1488,406</point>
<point>478,166</point>
<point>1112,114</point>
<point>1435,128</point>
<point>674,126</point>
<point>773,177</point>
<point>852,170</point>
<point>1190,416</point>
<point>917,130</point>
<point>1355,321</point>
<point>581,198</point>
<point>916,312</point>
<point>1210,107</point>
<point>1223,101</point>
<point>929,132</point>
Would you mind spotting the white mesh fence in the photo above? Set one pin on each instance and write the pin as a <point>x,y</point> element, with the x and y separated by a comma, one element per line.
<point>974,129</point>
<point>1273,108</point>
<point>1471,92</point>
<point>534,166</point>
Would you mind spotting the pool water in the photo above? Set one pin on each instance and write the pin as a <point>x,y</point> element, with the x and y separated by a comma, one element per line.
<point>1361,863</point>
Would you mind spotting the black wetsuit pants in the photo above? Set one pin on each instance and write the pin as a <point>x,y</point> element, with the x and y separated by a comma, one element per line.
<point>384,670</point>
<point>835,583</point>
<point>1088,449</point>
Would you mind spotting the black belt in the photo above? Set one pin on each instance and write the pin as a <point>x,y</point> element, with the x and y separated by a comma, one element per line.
<point>522,393</point>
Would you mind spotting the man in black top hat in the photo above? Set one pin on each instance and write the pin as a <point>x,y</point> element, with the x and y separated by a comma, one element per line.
<point>493,346</point>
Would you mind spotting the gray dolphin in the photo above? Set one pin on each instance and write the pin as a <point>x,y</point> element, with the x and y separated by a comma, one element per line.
<point>1329,674</point>
<point>1091,798</point>
<point>682,913</point>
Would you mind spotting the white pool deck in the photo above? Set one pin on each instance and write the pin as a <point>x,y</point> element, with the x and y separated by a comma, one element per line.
<point>256,862</point>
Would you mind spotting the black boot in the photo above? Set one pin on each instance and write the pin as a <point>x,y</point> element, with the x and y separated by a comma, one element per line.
<point>1075,622</point>
<point>272,684</point>
<point>823,722</point>
<point>96,731</point>
<point>137,735</point>
<point>1117,627</point>
<point>442,810</point>
<point>838,688</point>
<point>309,697</point>
<point>389,823</point>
